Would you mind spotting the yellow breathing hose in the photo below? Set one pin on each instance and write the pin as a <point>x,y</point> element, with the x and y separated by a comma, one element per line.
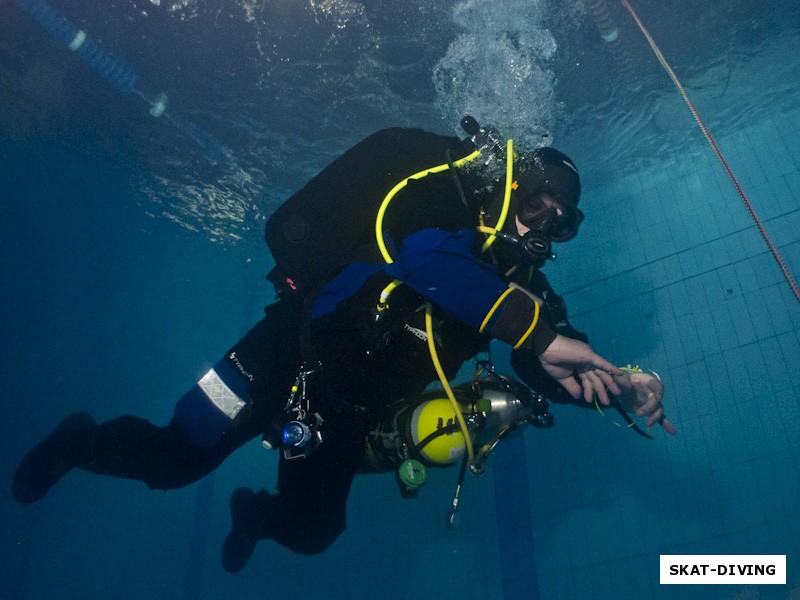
<point>393,192</point>
<point>506,197</point>
<point>445,384</point>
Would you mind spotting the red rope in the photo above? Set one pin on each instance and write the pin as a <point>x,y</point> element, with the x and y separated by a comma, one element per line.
<point>772,248</point>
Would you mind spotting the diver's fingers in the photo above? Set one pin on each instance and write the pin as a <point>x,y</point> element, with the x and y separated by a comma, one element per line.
<point>609,381</point>
<point>592,384</point>
<point>655,386</point>
<point>668,426</point>
<point>653,382</point>
<point>572,386</point>
<point>598,362</point>
<point>661,419</point>
<point>651,406</point>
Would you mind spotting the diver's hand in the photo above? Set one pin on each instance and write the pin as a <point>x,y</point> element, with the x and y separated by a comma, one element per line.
<point>642,394</point>
<point>580,370</point>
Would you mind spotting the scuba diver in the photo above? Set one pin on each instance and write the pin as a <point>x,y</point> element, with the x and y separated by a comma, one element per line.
<point>398,262</point>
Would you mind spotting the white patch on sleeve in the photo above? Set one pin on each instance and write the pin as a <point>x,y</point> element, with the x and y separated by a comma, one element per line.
<point>220,394</point>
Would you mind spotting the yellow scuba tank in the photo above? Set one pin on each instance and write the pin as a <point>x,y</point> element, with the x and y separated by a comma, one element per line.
<point>435,433</point>
<point>425,429</point>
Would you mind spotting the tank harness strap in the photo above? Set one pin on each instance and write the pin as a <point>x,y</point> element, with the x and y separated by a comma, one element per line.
<point>446,430</point>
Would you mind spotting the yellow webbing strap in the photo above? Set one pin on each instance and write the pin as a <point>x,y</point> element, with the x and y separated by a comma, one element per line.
<point>494,308</point>
<point>496,305</point>
<point>534,323</point>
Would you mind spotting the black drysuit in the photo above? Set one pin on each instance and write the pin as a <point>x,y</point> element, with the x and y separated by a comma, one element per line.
<point>365,365</point>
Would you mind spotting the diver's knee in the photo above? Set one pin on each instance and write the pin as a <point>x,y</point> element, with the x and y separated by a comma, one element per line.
<point>313,536</point>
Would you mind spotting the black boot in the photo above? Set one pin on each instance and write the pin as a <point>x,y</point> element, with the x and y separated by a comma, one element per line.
<point>65,448</point>
<point>249,516</point>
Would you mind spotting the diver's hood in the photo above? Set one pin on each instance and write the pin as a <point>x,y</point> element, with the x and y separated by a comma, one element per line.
<point>544,170</point>
<point>549,171</point>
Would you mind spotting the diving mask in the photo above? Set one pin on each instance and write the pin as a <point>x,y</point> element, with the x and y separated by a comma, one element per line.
<point>557,224</point>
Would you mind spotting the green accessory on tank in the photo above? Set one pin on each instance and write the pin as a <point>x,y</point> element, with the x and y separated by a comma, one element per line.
<point>412,474</point>
<point>483,405</point>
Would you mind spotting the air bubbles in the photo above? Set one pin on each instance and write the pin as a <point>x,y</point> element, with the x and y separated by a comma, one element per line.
<point>498,69</point>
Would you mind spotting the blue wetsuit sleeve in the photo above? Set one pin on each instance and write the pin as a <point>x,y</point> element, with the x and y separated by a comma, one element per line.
<point>440,266</point>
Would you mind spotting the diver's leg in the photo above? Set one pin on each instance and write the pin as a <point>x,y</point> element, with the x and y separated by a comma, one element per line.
<point>232,403</point>
<point>162,457</point>
<point>128,447</point>
<point>251,520</point>
<point>308,512</point>
<point>53,458</point>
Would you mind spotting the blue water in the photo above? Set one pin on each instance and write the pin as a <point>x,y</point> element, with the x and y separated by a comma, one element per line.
<point>132,256</point>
